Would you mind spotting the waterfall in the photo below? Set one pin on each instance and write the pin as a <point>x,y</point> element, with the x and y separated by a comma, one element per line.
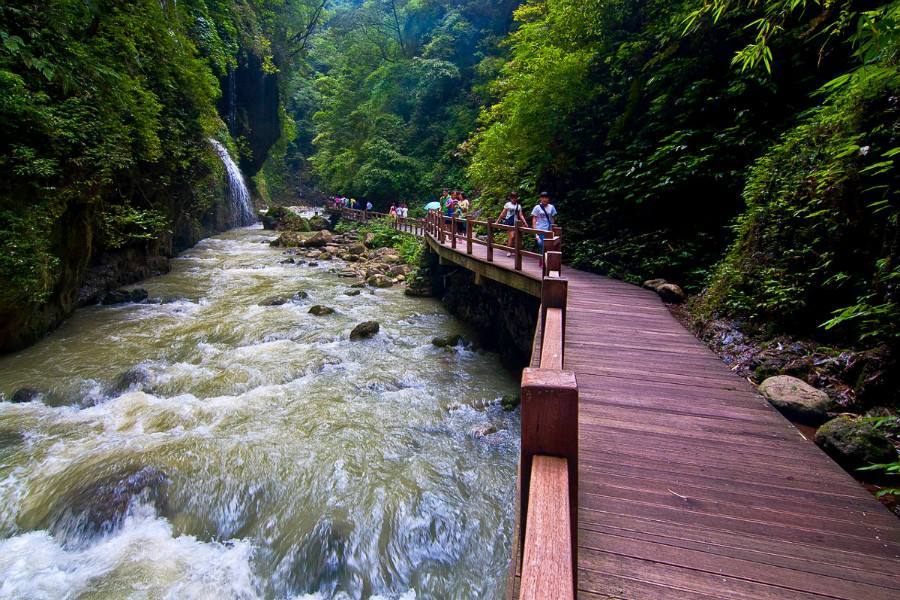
<point>241,207</point>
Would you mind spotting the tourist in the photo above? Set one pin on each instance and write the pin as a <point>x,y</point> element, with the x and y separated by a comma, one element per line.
<point>393,212</point>
<point>543,217</point>
<point>404,211</point>
<point>512,212</point>
<point>368,206</point>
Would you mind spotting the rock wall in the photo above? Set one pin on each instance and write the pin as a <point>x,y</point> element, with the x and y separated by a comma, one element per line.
<point>505,317</point>
<point>88,271</point>
<point>249,105</point>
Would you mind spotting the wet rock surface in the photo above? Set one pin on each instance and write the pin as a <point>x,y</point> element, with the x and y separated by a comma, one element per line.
<point>124,296</point>
<point>99,508</point>
<point>365,330</point>
<point>321,311</point>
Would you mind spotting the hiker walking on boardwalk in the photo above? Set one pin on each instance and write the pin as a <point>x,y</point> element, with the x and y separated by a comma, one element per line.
<point>512,212</point>
<point>543,217</point>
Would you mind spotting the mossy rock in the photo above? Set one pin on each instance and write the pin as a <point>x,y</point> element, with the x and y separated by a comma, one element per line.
<point>855,442</point>
<point>321,311</point>
<point>318,223</point>
<point>509,402</point>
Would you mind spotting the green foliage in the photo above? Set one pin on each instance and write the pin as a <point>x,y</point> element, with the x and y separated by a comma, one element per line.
<point>394,95</point>
<point>385,236</point>
<point>818,242</point>
<point>106,108</point>
<point>892,425</point>
<point>124,224</point>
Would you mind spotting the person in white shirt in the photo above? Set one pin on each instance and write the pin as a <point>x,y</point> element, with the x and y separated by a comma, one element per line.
<point>543,217</point>
<point>512,212</point>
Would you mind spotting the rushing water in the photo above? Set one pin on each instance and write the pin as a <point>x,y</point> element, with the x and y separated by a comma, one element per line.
<point>255,451</point>
<point>238,194</point>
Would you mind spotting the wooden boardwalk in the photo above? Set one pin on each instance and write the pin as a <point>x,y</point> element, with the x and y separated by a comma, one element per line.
<point>690,484</point>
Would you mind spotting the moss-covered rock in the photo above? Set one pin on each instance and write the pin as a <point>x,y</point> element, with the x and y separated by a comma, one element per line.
<point>855,442</point>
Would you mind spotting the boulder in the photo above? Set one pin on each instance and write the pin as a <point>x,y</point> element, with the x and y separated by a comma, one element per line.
<point>357,248</point>
<point>671,293</point>
<point>288,261</point>
<point>484,430</point>
<point>398,270</point>
<point>796,399</point>
<point>352,292</point>
<point>324,255</point>
<point>369,239</point>
<point>358,285</point>
<point>319,239</point>
<point>122,296</point>
<point>447,342</point>
<point>100,508</point>
<point>320,311</point>
<point>365,330</point>
<point>301,295</point>
<point>135,378</point>
<point>318,223</point>
<point>312,264</point>
<point>274,301</point>
<point>380,281</point>
<point>855,442</point>
<point>26,394</point>
<point>296,239</point>
<point>652,284</point>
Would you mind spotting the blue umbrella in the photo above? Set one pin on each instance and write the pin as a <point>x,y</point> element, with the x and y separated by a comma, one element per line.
<point>433,206</point>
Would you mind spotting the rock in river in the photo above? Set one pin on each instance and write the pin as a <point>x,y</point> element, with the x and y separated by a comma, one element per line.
<point>100,508</point>
<point>796,399</point>
<point>380,281</point>
<point>274,301</point>
<point>320,311</point>
<point>365,330</point>
<point>855,442</point>
<point>26,394</point>
<point>122,296</point>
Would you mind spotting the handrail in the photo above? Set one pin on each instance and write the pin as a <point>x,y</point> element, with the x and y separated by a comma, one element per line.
<point>548,471</point>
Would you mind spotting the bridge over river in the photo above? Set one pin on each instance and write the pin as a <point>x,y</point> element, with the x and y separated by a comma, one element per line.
<point>681,480</point>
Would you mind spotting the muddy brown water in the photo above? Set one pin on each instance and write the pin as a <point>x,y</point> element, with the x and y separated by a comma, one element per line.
<point>209,447</point>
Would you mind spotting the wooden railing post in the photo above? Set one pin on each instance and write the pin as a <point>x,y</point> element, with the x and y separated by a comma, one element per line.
<point>553,264</point>
<point>453,232</point>
<point>490,241</point>
<point>549,427</point>
<point>468,235</point>
<point>554,294</point>
<point>518,247</point>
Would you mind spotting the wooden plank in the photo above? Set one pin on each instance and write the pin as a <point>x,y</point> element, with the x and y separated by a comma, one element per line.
<point>547,565</point>
<point>552,340</point>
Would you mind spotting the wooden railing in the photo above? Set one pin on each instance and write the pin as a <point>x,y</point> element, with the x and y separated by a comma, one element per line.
<point>548,476</point>
<point>548,468</point>
<point>469,231</point>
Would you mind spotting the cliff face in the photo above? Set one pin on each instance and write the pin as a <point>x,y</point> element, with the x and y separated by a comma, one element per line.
<point>88,269</point>
<point>104,144</point>
<point>249,105</point>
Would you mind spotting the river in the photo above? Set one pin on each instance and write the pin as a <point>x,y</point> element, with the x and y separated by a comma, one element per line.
<point>204,446</point>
